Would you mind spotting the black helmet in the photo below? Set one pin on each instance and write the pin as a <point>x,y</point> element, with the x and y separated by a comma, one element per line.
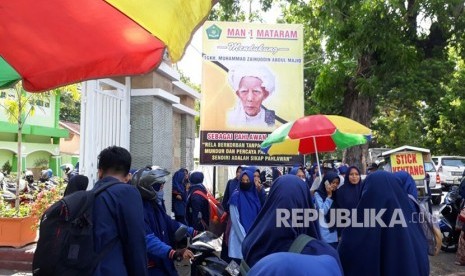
<point>145,178</point>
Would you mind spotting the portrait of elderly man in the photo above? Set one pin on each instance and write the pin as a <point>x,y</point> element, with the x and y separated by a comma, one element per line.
<point>252,84</point>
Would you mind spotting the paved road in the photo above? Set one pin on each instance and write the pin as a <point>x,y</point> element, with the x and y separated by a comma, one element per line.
<point>443,264</point>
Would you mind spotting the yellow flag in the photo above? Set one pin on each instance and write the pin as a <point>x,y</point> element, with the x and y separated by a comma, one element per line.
<point>172,21</point>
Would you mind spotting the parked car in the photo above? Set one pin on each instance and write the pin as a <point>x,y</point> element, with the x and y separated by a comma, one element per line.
<point>434,182</point>
<point>449,169</point>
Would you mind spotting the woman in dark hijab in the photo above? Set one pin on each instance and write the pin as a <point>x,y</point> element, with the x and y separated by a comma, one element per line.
<point>244,206</point>
<point>324,202</point>
<point>348,194</point>
<point>397,248</point>
<point>76,183</point>
<point>179,195</point>
<point>265,237</point>
<point>407,183</point>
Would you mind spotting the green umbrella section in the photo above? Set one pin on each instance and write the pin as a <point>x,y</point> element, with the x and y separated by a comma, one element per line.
<point>8,75</point>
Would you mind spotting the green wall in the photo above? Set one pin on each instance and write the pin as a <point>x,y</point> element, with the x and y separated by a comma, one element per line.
<point>9,137</point>
<point>44,115</point>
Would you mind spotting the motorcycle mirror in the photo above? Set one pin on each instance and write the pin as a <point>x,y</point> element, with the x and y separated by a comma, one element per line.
<point>180,233</point>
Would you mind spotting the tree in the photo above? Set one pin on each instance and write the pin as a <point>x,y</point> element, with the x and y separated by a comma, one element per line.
<point>232,10</point>
<point>378,52</point>
<point>445,133</point>
<point>70,104</point>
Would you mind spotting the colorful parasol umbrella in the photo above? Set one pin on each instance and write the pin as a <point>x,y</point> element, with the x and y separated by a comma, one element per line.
<point>316,133</point>
<point>52,43</point>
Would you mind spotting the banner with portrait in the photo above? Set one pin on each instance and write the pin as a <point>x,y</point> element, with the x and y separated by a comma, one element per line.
<point>252,83</point>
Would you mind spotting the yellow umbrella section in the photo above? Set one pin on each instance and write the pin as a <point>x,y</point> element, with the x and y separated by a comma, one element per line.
<point>171,21</point>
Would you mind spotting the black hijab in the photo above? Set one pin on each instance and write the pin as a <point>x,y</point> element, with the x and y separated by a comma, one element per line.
<point>76,183</point>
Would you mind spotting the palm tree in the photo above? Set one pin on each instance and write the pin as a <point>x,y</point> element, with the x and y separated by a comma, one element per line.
<point>18,108</point>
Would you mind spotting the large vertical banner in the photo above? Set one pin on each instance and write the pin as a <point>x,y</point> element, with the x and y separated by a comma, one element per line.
<point>252,83</point>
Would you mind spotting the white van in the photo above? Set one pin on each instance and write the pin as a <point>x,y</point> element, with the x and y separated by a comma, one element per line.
<point>450,169</point>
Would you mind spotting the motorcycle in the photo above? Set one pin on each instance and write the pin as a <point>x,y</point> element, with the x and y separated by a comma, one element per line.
<point>206,247</point>
<point>449,212</point>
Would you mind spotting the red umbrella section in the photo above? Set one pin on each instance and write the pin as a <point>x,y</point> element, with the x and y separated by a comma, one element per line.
<point>52,43</point>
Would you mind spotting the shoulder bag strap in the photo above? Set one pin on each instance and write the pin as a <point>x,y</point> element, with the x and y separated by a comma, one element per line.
<point>299,243</point>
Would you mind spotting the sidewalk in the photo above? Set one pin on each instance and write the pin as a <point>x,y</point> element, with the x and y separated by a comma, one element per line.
<point>5,272</point>
<point>13,260</point>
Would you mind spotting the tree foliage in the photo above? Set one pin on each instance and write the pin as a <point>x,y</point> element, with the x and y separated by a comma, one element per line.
<point>395,66</point>
<point>70,104</point>
<point>386,64</point>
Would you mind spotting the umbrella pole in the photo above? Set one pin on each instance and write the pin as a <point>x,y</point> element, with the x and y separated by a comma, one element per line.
<point>317,160</point>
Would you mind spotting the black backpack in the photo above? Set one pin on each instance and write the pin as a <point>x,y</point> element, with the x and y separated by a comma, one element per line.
<point>66,241</point>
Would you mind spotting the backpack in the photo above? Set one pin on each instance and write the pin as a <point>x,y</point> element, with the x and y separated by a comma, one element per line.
<point>429,227</point>
<point>218,217</point>
<point>296,247</point>
<point>66,237</point>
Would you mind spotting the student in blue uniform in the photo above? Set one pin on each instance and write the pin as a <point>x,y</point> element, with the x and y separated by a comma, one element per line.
<point>198,210</point>
<point>179,195</point>
<point>244,206</point>
<point>325,196</point>
<point>118,216</point>
<point>160,228</point>
<point>398,249</point>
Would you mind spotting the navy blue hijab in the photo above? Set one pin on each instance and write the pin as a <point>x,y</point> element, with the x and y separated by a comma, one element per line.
<point>178,182</point>
<point>348,194</point>
<point>380,250</point>
<point>247,202</point>
<point>285,263</point>
<point>407,183</point>
<point>264,238</point>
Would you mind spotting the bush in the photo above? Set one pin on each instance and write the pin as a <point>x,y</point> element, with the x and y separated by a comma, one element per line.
<point>8,211</point>
<point>41,163</point>
<point>6,168</point>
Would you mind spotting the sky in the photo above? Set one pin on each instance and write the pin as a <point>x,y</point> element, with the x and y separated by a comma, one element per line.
<point>191,63</point>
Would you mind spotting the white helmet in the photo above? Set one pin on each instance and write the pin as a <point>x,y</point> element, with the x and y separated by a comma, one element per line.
<point>67,168</point>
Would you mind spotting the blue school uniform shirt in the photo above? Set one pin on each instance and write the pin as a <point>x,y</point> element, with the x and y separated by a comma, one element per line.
<point>324,207</point>
<point>118,214</point>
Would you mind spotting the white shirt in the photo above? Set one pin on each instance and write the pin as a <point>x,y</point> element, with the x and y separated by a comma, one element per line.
<point>237,118</point>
